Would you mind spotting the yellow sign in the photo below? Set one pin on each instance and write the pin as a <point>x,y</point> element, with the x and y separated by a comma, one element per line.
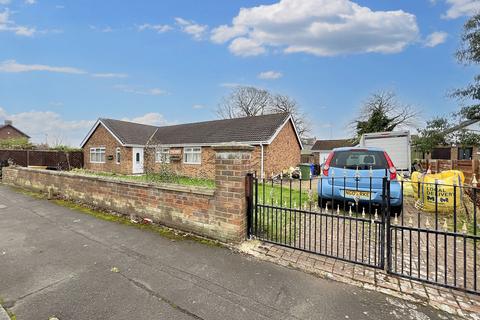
<point>364,195</point>
<point>444,196</point>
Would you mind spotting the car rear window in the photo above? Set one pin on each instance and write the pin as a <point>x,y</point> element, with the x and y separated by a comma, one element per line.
<point>363,159</point>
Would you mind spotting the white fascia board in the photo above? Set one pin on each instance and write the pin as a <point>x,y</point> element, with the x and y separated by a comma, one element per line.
<point>95,126</point>
<point>289,119</point>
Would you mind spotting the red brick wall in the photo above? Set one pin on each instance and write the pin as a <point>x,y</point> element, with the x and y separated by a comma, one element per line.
<point>204,170</point>
<point>9,132</point>
<point>102,138</point>
<point>218,214</point>
<point>284,152</point>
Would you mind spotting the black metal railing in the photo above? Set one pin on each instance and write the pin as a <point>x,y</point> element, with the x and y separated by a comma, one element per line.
<point>418,230</point>
<point>435,238</point>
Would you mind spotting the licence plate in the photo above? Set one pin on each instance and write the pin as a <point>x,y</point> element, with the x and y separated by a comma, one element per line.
<point>364,195</point>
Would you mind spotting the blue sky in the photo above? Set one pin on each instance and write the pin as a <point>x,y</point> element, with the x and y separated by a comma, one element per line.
<point>63,63</point>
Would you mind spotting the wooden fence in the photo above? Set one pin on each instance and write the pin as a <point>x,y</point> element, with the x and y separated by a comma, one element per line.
<point>59,160</point>
<point>468,167</point>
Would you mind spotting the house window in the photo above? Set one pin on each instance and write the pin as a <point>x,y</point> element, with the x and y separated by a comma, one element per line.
<point>118,155</point>
<point>465,153</point>
<point>162,155</point>
<point>192,155</point>
<point>97,155</point>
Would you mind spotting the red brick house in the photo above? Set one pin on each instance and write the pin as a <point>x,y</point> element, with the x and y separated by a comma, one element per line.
<point>129,148</point>
<point>8,131</point>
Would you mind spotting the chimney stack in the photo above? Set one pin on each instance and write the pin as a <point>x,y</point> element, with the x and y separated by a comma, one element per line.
<point>8,122</point>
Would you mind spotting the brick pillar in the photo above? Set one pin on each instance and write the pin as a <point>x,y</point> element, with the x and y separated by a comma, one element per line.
<point>232,163</point>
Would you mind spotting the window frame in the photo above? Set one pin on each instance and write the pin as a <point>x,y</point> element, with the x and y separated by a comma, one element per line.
<point>160,153</point>
<point>118,155</point>
<point>98,151</point>
<point>191,151</point>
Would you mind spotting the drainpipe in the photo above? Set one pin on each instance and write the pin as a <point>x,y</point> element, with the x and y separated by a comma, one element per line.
<point>262,175</point>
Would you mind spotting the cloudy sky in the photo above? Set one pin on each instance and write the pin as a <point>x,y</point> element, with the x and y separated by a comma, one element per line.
<point>63,63</point>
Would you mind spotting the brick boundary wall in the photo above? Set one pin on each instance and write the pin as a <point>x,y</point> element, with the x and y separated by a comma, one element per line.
<point>218,214</point>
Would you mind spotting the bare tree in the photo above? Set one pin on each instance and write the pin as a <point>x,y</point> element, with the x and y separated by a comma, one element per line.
<point>251,101</point>
<point>282,103</point>
<point>244,102</point>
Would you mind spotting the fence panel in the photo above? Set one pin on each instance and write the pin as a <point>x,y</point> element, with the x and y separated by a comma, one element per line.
<point>45,158</point>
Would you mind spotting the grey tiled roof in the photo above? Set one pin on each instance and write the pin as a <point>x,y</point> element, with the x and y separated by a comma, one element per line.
<point>130,132</point>
<point>331,144</point>
<point>247,129</point>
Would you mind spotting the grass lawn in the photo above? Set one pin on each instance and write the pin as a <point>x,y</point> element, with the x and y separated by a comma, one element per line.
<point>152,178</point>
<point>277,224</point>
<point>283,196</point>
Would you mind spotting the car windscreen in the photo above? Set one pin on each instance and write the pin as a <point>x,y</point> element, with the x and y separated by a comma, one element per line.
<point>361,159</point>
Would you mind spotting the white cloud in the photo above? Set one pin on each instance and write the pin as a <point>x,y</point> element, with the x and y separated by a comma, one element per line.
<point>197,31</point>
<point>4,2</point>
<point>435,38</point>
<point>30,1</point>
<point>109,75</point>
<point>49,126</point>
<point>6,24</point>
<point>160,28</point>
<point>151,118</point>
<point>141,91</point>
<point>318,27</point>
<point>270,75</point>
<point>198,106</point>
<point>52,127</point>
<point>460,8</point>
<point>11,66</point>
<point>106,29</point>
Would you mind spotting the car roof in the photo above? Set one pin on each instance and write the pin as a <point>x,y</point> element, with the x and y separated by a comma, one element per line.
<point>358,148</point>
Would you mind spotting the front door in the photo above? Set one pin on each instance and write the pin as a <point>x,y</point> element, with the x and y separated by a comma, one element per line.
<point>137,161</point>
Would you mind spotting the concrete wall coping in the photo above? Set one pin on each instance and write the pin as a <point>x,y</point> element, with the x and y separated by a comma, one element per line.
<point>162,186</point>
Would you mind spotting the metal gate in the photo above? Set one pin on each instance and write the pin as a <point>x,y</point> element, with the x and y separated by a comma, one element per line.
<point>435,247</point>
<point>289,212</point>
<point>435,238</point>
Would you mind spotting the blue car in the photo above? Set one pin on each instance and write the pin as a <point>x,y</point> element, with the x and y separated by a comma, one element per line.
<point>356,175</point>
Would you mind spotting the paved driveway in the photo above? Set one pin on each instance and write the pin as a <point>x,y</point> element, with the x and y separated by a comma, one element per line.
<point>58,262</point>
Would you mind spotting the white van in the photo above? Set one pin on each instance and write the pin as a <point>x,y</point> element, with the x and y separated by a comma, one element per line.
<point>396,143</point>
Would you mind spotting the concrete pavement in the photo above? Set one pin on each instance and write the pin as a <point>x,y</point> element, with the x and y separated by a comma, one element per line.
<point>58,262</point>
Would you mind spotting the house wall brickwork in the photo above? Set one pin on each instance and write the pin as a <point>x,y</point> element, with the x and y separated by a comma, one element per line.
<point>9,132</point>
<point>204,170</point>
<point>102,138</point>
<point>284,151</point>
<point>219,214</point>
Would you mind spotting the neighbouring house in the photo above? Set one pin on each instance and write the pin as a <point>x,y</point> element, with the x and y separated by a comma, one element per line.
<point>8,131</point>
<point>132,148</point>
<point>322,148</point>
<point>455,152</point>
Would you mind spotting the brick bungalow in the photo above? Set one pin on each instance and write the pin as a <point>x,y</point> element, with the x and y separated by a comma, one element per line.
<point>128,148</point>
<point>8,131</point>
<point>322,148</point>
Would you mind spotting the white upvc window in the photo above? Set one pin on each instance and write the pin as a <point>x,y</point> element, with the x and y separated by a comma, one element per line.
<point>192,155</point>
<point>97,155</point>
<point>118,155</point>
<point>162,155</point>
